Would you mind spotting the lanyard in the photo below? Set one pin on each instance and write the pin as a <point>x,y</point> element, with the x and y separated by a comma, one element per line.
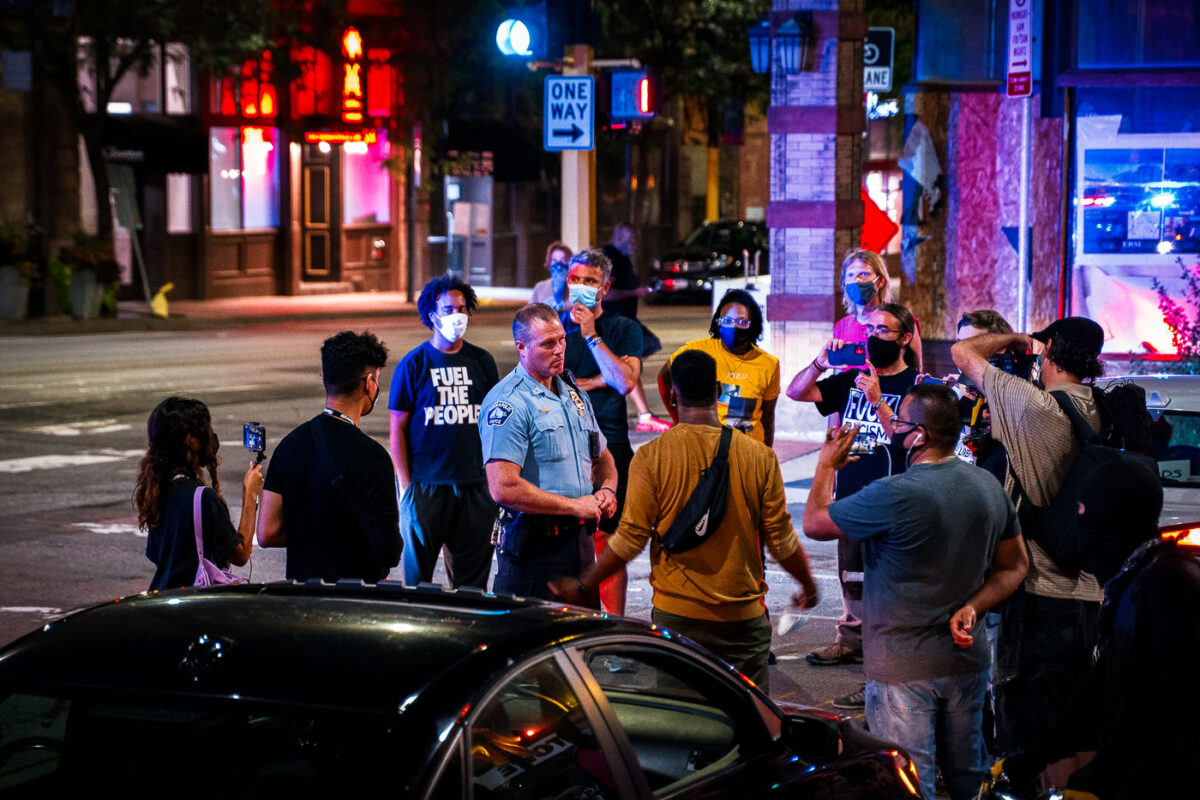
<point>338,415</point>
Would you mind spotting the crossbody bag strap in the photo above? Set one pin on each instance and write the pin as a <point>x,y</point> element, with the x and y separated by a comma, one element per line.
<point>723,447</point>
<point>337,479</point>
<point>197,521</point>
<point>1083,431</point>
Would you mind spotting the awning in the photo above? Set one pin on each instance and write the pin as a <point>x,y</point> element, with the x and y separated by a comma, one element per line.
<point>157,143</point>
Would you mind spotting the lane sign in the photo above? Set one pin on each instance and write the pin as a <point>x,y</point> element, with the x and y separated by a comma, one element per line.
<point>569,113</point>
<point>878,54</point>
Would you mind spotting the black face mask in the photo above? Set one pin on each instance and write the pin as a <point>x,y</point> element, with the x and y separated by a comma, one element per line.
<point>735,337</point>
<point>882,352</point>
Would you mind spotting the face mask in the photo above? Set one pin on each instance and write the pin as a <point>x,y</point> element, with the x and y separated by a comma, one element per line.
<point>216,443</point>
<point>451,327</point>
<point>578,293</point>
<point>861,292</point>
<point>733,337</point>
<point>375,397</point>
<point>882,352</point>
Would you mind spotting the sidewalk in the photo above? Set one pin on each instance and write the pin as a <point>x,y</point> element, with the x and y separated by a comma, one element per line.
<point>133,315</point>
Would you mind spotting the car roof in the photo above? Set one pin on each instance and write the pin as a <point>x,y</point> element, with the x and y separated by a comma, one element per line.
<point>1175,392</point>
<point>350,645</point>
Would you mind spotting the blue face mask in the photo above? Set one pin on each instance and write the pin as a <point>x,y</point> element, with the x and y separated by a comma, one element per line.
<point>860,292</point>
<point>578,293</point>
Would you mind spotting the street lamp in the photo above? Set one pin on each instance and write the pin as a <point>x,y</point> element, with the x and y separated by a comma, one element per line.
<point>788,45</point>
<point>760,46</point>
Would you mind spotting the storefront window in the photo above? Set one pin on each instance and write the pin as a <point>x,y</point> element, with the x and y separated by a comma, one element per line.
<point>1138,33</point>
<point>244,178</point>
<point>366,195</point>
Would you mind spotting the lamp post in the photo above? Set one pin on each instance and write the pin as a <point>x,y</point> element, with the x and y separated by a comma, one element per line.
<point>787,45</point>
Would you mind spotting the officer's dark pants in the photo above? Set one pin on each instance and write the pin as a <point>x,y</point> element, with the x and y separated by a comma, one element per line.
<point>545,558</point>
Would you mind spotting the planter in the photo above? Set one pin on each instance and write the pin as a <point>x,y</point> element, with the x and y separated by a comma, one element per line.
<point>14,294</point>
<point>87,292</point>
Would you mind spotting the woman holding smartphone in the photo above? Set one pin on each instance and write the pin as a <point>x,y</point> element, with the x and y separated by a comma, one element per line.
<point>181,450</point>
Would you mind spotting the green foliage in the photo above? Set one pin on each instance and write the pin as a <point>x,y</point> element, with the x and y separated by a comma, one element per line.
<point>699,47</point>
<point>1183,318</point>
<point>60,279</point>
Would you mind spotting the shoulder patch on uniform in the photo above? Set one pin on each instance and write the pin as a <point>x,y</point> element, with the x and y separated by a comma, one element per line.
<point>499,413</point>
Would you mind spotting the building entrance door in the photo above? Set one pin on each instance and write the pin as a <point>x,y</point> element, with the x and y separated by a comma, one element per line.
<point>320,223</point>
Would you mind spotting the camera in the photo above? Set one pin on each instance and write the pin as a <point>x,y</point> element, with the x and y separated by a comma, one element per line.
<point>1018,364</point>
<point>864,444</point>
<point>848,355</point>
<point>254,438</point>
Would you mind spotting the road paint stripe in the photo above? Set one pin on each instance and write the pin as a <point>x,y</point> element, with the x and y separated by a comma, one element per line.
<point>44,611</point>
<point>111,528</point>
<point>31,463</point>
<point>79,428</point>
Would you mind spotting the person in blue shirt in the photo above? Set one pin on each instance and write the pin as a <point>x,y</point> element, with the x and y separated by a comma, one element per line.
<point>547,462</point>
<point>604,356</point>
<point>434,401</point>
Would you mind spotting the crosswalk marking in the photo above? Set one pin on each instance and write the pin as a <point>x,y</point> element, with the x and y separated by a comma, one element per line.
<point>31,463</point>
<point>111,528</point>
<point>79,428</point>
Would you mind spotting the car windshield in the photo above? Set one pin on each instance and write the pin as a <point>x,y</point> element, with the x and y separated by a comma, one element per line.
<point>699,237</point>
<point>1176,447</point>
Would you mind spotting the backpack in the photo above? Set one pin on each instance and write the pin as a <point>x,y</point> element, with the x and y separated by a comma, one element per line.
<point>705,507</point>
<point>1122,423</point>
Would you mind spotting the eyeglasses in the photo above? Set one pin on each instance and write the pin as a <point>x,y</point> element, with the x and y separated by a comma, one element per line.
<point>878,330</point>
<point>911,425</point>
<point>733,322</point>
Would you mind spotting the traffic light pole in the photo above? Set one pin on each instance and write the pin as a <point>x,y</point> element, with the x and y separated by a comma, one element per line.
<point>578,171</point>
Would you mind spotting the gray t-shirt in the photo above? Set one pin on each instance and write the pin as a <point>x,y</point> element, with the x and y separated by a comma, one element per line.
<point>929,536</point>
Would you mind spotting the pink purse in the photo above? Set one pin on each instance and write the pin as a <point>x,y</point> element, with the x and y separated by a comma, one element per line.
<point>208,573</point>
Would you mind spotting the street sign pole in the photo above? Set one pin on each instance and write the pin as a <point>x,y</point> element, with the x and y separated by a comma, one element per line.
<point>579,169</point>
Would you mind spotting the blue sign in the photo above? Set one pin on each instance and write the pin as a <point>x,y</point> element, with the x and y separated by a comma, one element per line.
<point>569,113</point>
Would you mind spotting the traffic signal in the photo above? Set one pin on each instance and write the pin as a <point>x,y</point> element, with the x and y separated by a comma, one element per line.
<point>634,96</point>
<point>524,32</point>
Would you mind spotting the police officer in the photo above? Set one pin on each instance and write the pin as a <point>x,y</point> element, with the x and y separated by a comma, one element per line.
<point>547,463</point>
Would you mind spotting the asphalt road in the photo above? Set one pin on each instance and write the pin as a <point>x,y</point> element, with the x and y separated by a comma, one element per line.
<point>72,427</point>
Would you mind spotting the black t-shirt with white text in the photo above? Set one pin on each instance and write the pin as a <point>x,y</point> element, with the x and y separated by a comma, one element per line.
<point>839,395</point>
<point>442,392</point>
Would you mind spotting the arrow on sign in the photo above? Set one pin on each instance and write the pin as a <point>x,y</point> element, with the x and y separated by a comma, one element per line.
<point>574,132</point>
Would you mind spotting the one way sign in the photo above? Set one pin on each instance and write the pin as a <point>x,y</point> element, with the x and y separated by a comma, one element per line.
<point>569,113</point>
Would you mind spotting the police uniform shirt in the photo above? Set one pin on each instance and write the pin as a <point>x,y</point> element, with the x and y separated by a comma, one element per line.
<point>546,434</point>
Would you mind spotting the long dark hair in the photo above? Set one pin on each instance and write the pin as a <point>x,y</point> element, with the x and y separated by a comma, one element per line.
<point>746,299</point>
<point>169,453</point>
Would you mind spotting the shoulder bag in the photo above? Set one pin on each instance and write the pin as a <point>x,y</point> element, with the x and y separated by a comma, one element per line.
<point>207,573</point>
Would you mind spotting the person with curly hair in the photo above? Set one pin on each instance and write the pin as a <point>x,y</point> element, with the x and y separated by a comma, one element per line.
<point>749,376</point>
<point>330,494</point>
<point>1048,631</point>
<point>181,449</point>
<point>434,403</point>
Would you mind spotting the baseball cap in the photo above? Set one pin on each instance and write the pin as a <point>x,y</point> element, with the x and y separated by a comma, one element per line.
<point>1080,330</point>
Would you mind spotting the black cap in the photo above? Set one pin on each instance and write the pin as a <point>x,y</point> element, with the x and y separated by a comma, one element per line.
<point>1080,330</point>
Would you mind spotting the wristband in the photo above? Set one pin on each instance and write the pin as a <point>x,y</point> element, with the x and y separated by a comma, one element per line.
<point>594,341</point>
<point>877,405</point>
<point>606,489</point>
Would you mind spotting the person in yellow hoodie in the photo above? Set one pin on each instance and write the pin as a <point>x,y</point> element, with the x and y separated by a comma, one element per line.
<point>714,592</point>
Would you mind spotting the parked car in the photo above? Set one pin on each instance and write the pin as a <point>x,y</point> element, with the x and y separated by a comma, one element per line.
<point>714,250</point>
<point>1174,405</point>
<point>306,690</point>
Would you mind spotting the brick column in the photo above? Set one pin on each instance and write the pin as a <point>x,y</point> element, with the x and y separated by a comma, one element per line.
<point>816,120</point>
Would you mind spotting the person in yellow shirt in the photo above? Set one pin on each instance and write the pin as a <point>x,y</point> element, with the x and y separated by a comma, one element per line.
<point>749,377</point>
<point>712,593</point>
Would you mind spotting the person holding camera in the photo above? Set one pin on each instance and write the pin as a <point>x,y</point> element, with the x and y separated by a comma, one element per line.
<point>866,396</point>
<point>547,462</point>
<point>943,546</point>
<point>1048,630</point>
<point>434,404</point>
<point>330,494</point>
<point>182,446</point>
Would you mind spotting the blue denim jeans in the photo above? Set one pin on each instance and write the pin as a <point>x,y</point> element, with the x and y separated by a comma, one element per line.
<point>910,714</point>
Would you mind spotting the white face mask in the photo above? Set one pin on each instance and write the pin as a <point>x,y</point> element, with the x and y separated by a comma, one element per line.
<point>451,327</point>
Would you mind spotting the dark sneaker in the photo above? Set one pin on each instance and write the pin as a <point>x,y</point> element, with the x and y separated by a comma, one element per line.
<point>834,654</point>
<point>855,701</point>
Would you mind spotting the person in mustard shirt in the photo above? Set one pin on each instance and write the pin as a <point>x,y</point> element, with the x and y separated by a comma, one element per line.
<point>749,377</point>
<point>712,593</point>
